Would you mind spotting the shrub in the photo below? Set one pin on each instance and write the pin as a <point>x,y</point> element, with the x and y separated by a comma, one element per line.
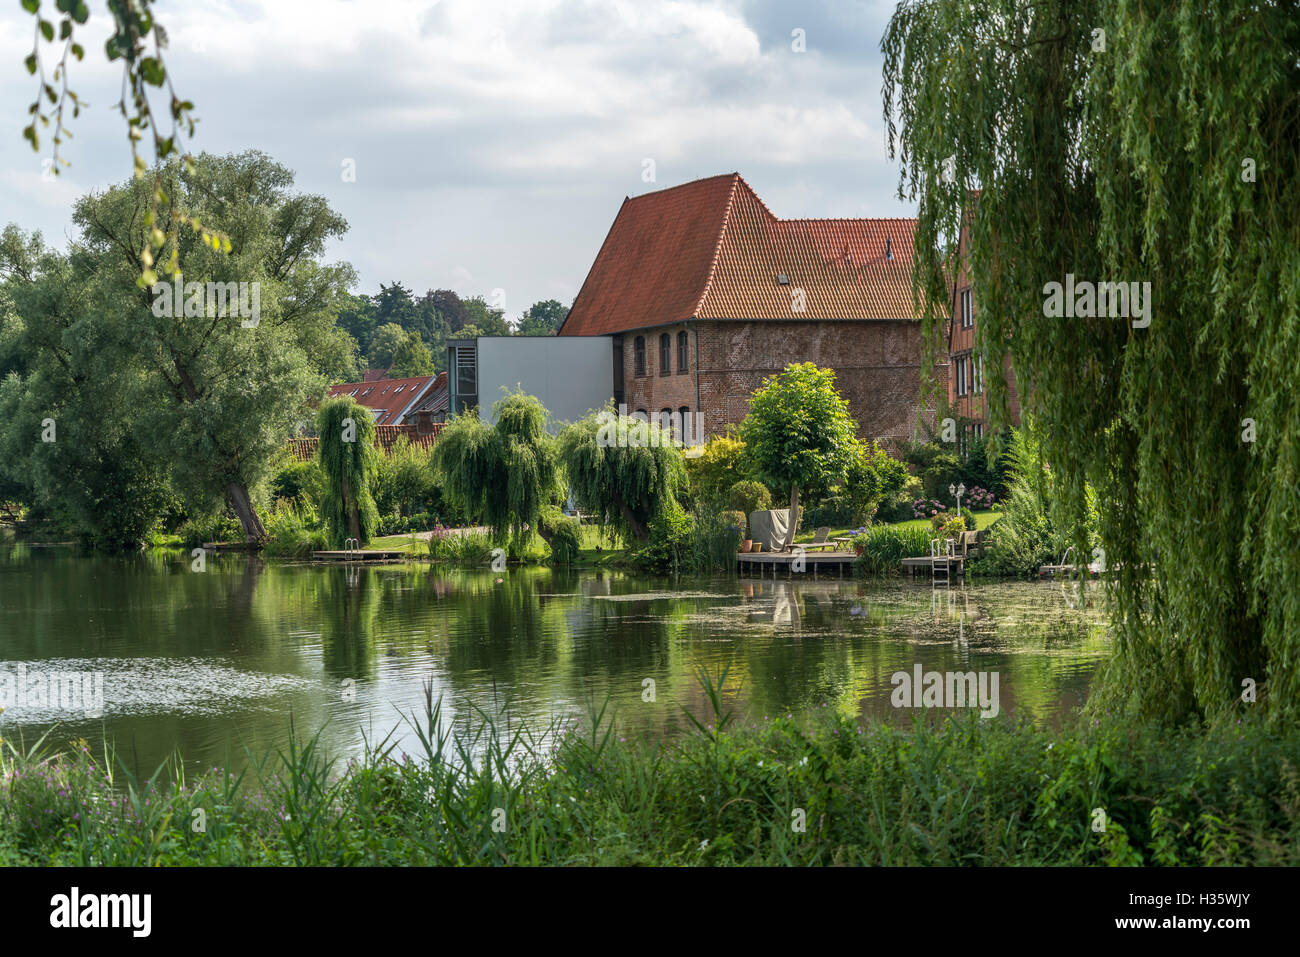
<point>733,518</point>
<point>294,533</point>
<point>564,534</point>
<point>301,483</point>
<point>954,526</point>
<point>899,506</point>
<point>748,496</point>
<point>716,538</point>
<point>403,483</point>
<point>716,470</point>
<point>885,546</point>
<point>217,527</point>
<point>472,548</point>
<point>671,547</point>
<point>874,476</point>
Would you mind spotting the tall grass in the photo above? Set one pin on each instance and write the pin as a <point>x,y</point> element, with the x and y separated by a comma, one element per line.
<point>885,547</point>
<point>962,791</point>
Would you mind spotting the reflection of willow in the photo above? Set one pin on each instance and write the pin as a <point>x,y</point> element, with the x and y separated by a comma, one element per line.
<point>626,642</point>
<point>349,605</point>
<point>510,631</point>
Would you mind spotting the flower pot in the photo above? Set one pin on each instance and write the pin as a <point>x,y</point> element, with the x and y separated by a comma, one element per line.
<point>746,545</point>
<point>758,546</point>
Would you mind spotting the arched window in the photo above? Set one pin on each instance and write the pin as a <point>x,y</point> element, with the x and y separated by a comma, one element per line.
<point>665,354</point>
<point>638,351</point>
<point>685,413</point>
<point>682,340</point>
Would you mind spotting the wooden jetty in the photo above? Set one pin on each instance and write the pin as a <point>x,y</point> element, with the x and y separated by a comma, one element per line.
<point>925,565</point>
<point>368,556</point>
<point>813,562</point>
<point>232,546</point>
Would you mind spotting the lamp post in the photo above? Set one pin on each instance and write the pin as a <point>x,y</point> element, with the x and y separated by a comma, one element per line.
<point>959,491</point>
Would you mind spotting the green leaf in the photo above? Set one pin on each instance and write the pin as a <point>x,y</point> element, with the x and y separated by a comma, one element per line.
<point>31,6</point>
<point>152,71</point>
<point>47,30</point>
<point>30,62</point>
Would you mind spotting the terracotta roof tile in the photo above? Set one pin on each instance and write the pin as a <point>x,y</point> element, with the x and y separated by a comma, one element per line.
<point>712,250</point>
<point>390,397</point>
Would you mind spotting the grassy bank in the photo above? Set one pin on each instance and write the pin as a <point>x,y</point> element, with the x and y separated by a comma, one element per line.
<point>825,791</point>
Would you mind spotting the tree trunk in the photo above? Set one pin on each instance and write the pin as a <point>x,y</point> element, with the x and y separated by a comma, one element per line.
<point>237,495</point>
<point>793,528</point>
<point>352,513</point>
<point>638,529</point>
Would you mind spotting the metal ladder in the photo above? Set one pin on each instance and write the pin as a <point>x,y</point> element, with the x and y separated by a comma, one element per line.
<point>940,562</point>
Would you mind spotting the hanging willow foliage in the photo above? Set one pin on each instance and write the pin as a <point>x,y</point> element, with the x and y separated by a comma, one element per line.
<point>623,470</point>
<point>504,473</point>
<point>1135,143</point>
<point>347,456</point>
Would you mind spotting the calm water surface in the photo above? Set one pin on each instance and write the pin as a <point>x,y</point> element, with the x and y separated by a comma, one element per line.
<point>214,663</point>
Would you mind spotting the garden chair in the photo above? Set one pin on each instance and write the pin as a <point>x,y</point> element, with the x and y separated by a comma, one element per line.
<point>822,539</point>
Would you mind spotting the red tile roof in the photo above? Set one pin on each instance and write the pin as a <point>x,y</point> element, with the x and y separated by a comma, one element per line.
<point>712,250</point>
<point>391,397</point>
<point>386,436</point>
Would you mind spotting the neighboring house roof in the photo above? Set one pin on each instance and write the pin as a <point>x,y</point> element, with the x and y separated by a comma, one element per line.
<point>386,436</point>
<point>374,375</point>
<point>712,250</point>
<point>389,400</point>
<point>436,399</point>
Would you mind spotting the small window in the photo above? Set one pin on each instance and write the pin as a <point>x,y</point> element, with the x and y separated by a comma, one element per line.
<point>642,414</point>
<point>398,389</point>
<point>683,340</point>
<point>961,376</point>
<point>666,420</point>
<point>966,320</point>
<point>665,354</point>
<point>685,413</point>
<point>638,351</point>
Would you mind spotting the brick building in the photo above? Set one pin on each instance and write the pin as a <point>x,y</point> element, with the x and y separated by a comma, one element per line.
<point>703,293</point>
<point>966,381</point>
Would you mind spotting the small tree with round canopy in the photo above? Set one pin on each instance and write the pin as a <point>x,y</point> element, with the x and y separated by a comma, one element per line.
<point>799,435</point>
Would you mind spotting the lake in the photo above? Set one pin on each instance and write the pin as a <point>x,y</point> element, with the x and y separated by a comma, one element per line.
<point>213,664</point>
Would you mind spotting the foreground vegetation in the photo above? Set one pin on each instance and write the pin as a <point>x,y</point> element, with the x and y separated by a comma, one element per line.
<point>956,792</point>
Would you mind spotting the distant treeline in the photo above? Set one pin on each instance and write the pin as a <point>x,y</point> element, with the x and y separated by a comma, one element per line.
<point>396,330</point>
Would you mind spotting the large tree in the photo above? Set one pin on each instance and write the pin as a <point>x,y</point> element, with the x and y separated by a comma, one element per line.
<point>622,469</point>
<point>504,473</point>
<point>1136,143</point>
<point>799,435</point>
<point>212,396</point>
<point>542,318</point>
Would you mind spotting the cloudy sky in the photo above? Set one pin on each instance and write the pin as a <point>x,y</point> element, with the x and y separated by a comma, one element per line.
<point>493,141</point>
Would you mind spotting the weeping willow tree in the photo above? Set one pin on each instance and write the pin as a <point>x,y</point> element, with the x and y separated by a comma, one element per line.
<point>1114,141</point>
<point>347,456</point>
<point>507,473</point>
<point>622,469</point>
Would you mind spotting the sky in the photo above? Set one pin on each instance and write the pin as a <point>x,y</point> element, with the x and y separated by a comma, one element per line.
<point>491,142</point>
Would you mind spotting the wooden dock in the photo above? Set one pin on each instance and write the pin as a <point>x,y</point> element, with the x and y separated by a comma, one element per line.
<point>368,556</point>
<point>813,562</point>
<point>925,566</point>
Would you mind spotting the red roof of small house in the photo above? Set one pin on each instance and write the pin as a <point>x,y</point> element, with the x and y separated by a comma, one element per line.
<point>391,399</point>
<point>712,250</point>
<point>436,399</point>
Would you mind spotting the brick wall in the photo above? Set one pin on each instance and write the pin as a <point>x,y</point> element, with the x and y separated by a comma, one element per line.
<point>877,366</point>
